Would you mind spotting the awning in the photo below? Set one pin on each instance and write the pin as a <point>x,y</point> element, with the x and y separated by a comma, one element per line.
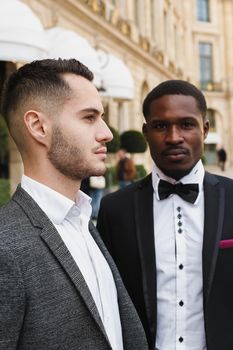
<point>65,43</point>
<point>213,138</point>
<point>116,77</point>
<point>22,37</point>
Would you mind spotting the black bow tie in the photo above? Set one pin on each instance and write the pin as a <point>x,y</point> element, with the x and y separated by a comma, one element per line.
<point>188,192</point>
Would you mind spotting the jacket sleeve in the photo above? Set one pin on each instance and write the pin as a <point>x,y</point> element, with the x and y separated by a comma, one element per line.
<point>12,300</point>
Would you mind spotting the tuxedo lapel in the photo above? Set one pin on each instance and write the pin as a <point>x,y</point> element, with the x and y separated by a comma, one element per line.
<point>214,214</point>
<point>143,201</point>
<point>57,247</point>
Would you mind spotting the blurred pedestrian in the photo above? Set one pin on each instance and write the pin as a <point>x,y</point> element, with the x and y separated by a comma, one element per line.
<point>125,169</point>
<point>222,157</point>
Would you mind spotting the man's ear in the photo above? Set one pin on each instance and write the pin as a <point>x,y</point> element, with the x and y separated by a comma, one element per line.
<point>144,130</point>
<point>36,124</point>
<point>206,128</point>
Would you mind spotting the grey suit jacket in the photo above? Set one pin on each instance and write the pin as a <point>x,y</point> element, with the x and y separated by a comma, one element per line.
<point>44,300</point>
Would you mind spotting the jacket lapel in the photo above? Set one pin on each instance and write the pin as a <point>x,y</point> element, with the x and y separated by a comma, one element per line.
<point>143,201</point>
<point>214,214</point>
<point>57,247</point>
<point>60,251</point>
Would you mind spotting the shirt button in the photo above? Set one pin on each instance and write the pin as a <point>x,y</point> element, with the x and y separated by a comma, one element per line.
<point>181,303</point>
<point>179,223</point>
<point>181,267</point>
<point>179,216</point>
<point>181,339</point>
<point>178,209</point>
<point>180,231</point>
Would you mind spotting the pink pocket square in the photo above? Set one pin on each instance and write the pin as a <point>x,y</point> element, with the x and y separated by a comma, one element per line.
<point>227,243</point>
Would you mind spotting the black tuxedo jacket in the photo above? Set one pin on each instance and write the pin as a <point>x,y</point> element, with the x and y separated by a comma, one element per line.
<point>126,225</point>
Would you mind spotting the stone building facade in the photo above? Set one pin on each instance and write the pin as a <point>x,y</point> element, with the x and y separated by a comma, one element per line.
<point>135,45</point>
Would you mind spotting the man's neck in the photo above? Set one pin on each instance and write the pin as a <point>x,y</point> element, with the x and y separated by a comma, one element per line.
<point>57,182</point>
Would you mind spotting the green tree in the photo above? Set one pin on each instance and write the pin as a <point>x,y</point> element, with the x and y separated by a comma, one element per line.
<point>114,145</point>
<point>133,141</point>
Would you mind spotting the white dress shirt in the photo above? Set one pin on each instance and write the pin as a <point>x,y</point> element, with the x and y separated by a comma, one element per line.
<point>71,221</point>
<point>178,229</point>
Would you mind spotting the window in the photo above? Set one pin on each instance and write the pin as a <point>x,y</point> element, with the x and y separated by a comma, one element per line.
<point>152,13</point>
<point>203,10</point>
<point>175,31</point>
<point>206,66</point>
<point>212,120</point>
<point>165,30</point>
<point>136,12</point>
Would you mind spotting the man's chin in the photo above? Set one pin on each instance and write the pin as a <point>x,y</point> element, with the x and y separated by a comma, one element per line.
<point>99,171</point>
<point>177,173</point>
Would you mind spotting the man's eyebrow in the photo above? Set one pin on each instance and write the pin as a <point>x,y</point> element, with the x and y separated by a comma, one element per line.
<point>92,110</point>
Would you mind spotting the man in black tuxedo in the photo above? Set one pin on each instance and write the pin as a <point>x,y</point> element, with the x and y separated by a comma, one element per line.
<point>170,233</point>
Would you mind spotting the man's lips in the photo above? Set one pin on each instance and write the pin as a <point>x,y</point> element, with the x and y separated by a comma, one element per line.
<point>101,150</point>
<point>175,152</point>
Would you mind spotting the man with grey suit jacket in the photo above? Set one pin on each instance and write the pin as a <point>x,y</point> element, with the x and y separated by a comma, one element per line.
<point>59,287</point>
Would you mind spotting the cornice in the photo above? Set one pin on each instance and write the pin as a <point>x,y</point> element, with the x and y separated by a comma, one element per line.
<point>89,13</point>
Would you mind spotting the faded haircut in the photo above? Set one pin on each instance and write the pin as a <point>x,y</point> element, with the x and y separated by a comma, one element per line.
<point>39,80</point>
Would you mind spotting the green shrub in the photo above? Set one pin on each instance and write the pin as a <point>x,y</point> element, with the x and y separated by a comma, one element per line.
<point>4,191</point>
<point>141,171</point>
<point>203,158</point>
<point>114,145</point>
<point>110,176</point>
<point>133,141</point>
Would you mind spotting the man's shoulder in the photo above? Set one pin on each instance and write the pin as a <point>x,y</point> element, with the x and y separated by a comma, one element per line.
<point>18,217</point>
<point>8,212</point>
<point>12,217</point>
<point>221,180</point>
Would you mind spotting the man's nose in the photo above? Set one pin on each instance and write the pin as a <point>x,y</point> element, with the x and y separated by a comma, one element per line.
<point>174,135</point>
<point>104,133</point>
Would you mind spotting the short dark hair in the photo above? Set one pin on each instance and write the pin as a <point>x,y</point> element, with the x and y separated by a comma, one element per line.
<point>175,87</point>
<point>39,79</point>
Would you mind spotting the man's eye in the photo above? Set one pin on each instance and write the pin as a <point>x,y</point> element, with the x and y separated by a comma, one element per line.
<point>188,124</point>
<point>159,126</point>
<point>90,118</point>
